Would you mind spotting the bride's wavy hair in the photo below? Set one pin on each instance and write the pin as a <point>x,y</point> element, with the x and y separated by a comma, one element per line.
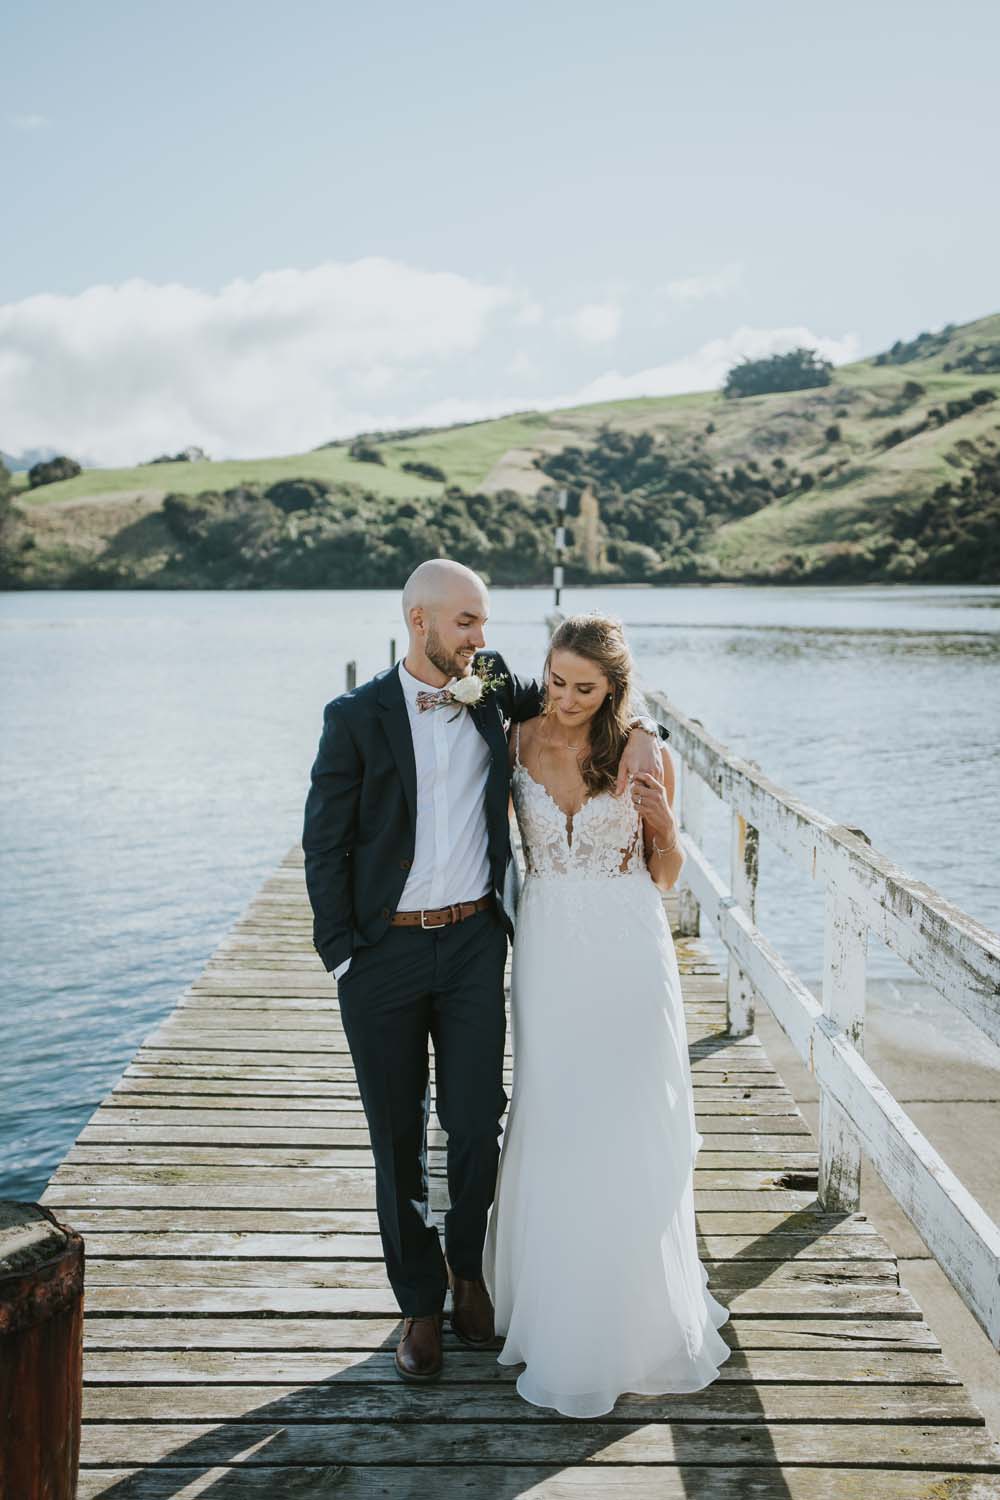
<point>601,640</point>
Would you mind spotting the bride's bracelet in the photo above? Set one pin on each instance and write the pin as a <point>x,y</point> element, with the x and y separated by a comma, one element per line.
<point>669,850</point>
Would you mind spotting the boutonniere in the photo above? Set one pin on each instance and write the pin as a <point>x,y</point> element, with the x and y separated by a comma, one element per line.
<point>470,691</point>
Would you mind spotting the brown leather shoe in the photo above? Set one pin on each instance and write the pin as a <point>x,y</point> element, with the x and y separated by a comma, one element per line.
<point>418,1356</point>
<point>471,1311</point>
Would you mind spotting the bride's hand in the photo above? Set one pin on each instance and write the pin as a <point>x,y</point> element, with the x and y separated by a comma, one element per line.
<point>650,798</point>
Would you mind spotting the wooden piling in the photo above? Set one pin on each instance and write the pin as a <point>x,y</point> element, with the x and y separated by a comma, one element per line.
<point>41,1354</point>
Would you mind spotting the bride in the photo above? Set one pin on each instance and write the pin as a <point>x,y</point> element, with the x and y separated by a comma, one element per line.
<point>590,1256</point>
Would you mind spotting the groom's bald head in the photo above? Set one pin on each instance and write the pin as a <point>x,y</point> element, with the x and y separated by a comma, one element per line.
<point>445,606</point>
<point>440,584</point>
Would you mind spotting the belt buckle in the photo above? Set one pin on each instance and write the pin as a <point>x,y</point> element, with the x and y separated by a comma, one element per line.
<point>429,926</point>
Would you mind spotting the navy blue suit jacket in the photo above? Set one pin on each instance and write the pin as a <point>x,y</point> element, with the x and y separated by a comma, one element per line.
<point>360,817</point>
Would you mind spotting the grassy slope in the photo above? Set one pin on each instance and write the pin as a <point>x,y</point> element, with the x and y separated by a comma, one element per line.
<point>466,454</point>
<point>845,505</point>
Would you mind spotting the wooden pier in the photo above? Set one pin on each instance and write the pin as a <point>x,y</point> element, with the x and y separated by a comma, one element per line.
<point>240,1328</point>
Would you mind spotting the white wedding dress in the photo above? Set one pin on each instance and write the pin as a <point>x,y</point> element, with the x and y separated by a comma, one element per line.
<point>591,1256</point>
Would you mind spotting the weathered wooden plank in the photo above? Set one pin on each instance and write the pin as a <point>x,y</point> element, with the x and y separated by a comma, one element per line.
<point>247,1244</point>
<point>764,1223</point>
<point>207,1115</point>
<point>458,1482</point>
<point>325,1041</point>
<point>250,1154</point>
<point>876,1444</point>
<point>737,1135</point>
<point>843,1299</point>
<point>710,1114</point>
<point>321,1078</point>
<point>229,1219</point>
<point>709,1067</point>
<point>220,1135</point>
<point>306,1063</point>
<point>179,1112</point>
<point>775,1113</point>
<point>299,1179</point>
<point>723,1401</point>
<point>165,1078</point>
<point>181,1271</point>
<point>879,1351</point>
<point>193,1195</point>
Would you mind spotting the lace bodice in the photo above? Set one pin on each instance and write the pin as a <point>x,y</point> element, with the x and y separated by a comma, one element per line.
<point>601,841</point>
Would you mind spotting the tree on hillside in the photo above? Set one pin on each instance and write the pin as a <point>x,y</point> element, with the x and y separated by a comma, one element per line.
<point>798,370</point>
<point>14,541</point>
<point>922,347</point>
<point>364,452</point>
<point>51,471</point>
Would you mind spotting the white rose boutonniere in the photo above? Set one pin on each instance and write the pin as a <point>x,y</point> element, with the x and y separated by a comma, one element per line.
<point>470,691</point>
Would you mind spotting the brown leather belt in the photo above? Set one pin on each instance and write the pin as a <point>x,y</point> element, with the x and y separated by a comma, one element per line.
<point>441,916</point>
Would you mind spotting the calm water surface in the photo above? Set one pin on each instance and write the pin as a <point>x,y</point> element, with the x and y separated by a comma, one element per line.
<point>156,751</point>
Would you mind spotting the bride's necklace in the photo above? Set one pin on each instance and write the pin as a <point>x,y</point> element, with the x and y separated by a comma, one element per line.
<point>559,744</point>
<point>551,744</point>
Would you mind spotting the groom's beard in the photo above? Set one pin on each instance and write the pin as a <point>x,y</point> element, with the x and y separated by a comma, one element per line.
<point>447,663</point>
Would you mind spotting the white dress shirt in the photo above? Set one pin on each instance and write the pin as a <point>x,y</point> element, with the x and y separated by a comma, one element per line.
<point>451,855</point>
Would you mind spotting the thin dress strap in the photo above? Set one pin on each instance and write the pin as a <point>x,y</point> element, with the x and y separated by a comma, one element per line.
<point>517,744</point>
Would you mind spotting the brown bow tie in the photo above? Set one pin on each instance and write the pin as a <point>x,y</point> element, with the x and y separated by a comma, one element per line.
<point>434,698</point>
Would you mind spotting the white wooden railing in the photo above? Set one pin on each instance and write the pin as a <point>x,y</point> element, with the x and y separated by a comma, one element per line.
<point>865,892</point>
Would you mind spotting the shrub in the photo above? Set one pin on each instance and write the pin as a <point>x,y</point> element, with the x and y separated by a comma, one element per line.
<point>832,433</point>
<point>424,470</point>
<point>298,494</point>
<point>364,452</point>
<point>52,470</point>
<point>189,455</point>
<point>924,345</point>
<point>981,360</point>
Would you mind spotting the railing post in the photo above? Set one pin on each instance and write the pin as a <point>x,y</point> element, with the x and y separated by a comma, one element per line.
<point>692,823</point>
<point>845,945</point>
<point>744,850</point>
<point>352,676</point>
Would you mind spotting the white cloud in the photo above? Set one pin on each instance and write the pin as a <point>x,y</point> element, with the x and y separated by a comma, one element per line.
<point>708,366</point>
<point>273,364</point>
<point>286,360</point>
<point>29,122</point>
<point>595,323</point>
<point>708,284</point>
<point>530,315</point>
<point>522,366</point>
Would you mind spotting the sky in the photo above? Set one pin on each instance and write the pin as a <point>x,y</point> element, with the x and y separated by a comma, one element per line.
<point>257,227</point>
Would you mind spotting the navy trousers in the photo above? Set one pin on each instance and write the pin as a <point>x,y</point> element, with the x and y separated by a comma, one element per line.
<point>443,986</point>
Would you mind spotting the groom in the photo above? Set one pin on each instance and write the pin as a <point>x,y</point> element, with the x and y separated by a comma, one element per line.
<point>406,843</point>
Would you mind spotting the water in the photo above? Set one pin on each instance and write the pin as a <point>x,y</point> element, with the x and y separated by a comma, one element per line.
<point>156,751</point>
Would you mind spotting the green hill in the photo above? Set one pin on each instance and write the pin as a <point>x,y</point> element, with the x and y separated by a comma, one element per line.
<point>890,471</point>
